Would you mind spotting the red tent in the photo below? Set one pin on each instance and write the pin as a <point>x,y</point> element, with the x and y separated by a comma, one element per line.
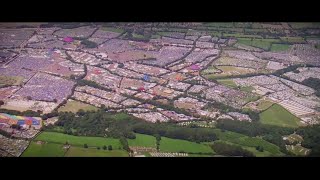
<point>141,89</point>
<point>68,39</point>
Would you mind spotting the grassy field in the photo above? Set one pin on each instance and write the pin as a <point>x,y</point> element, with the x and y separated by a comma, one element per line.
<point>112,29</point>
<point>249,143</point>
<point>230,70</point>
<point>93,152</point>
<point>247,88</point>
<point>177,145</point>
<point>279,116</point>
<point>263,104</point>
<point>143,140</point>
<point>280,47</point>
<point>227,82</point>
<point>78,140</point>
<point>259,43</point>
<point>11,80</point>
<point>303,25</point>
<point>44,150</point>
<point>293,39</point>
<point>75,106</point>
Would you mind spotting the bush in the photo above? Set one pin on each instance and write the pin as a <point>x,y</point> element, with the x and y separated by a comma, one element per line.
<point>89,44</point>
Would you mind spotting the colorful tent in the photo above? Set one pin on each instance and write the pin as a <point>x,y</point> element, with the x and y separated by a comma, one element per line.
<point>146,77</point>
<point>141,89</point>
<point>194,67</point>
<point>68,39</point>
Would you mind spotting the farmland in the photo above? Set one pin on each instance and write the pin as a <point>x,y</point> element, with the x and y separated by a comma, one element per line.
<point>277,115</point>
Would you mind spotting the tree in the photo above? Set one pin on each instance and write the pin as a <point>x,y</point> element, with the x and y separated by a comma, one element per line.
<point>67,143</point>
<point>109,147</point>
<point>104,147</point>
<point>259,148</point>
<point>85,146</point>
<point>29,98</point>
<point>1,103</point>
<point>55,100</point>
<point>98,148</point>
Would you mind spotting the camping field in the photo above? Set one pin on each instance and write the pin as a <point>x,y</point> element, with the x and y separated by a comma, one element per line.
<point>279,116</point>
<point>60,138</point>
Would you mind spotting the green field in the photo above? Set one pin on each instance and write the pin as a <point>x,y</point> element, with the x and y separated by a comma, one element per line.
<point>263,104</point>
<point>75,106</point>
<point>112,29</point>
<point>247,88</point>
<point>227,82</point>
<point>293,39</point>
<point>280,47</point>
<point>44,150</point>
<point>78,140</point>
<point>177,145</point>
<point>259,43</point>
<point>93,152</point>
<point>279,116</point>
<point>11,80</point>
<point>143,140</point>
<point>249,143</point>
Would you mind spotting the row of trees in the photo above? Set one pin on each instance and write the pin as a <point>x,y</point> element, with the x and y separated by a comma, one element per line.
<point>29,113</point>
<point>311,138</point>
<point>101,123</point>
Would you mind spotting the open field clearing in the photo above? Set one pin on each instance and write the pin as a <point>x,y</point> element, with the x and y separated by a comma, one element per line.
<point>10,80</point>
<point>227,82</point>
<point>278,116</point>
<point>44,150</point>
<point>176,145</point>
<point>143,140</point>
<point>280,47</point>
<point>75,106</point>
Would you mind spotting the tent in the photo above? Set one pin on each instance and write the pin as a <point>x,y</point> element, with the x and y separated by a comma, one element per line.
<point>194,67</point>
<point>146,77</point>
<point>68,39</point>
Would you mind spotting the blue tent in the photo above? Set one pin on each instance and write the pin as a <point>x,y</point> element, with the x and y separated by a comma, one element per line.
<point>146,77</point>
